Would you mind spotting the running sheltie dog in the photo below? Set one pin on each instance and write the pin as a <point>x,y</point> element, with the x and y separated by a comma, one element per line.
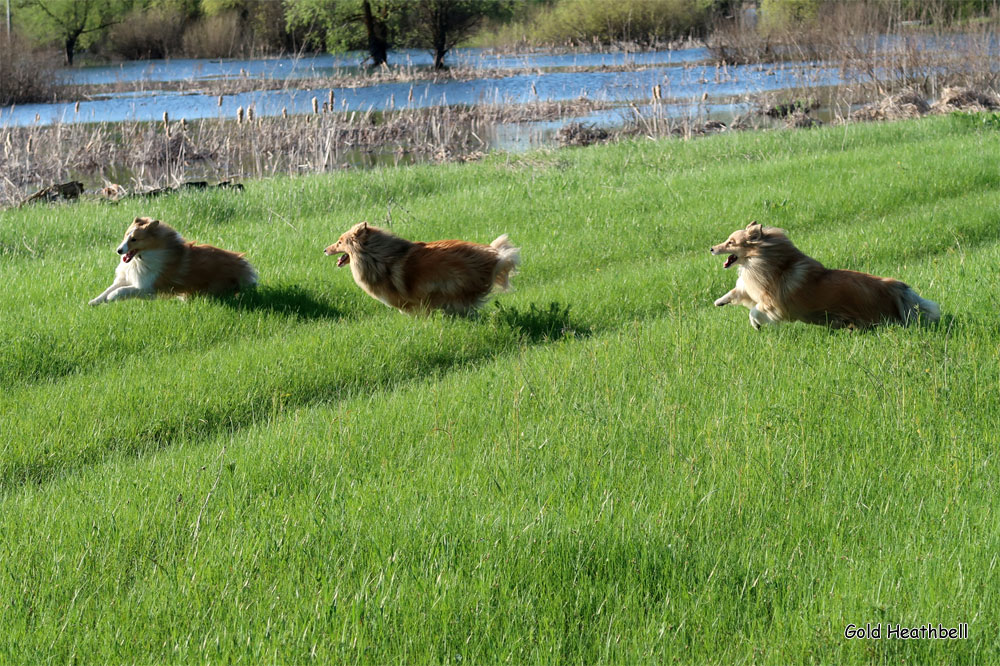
<point>452,275</point>
<point>155,259</point>
<point>779,283</point>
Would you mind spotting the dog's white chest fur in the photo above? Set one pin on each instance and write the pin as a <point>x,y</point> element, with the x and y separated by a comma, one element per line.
<point>135,278</point>
<point>747,283</point>
<point>142,271</point>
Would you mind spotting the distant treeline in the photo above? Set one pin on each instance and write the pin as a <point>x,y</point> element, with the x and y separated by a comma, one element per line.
<point>138,29</point>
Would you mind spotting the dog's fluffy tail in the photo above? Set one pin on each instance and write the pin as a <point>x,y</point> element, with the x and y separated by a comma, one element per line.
<point>250,278</point>
<point>913,308</point>
<point>246,274</point>
<point>509,258</point>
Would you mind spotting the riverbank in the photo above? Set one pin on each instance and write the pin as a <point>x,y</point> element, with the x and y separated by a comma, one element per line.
<point>143,156</point>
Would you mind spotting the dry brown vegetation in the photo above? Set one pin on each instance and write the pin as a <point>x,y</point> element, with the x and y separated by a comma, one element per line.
<point>26,75</point>
<point>152,155</point>
<point>906,104</point>
<point>148,156</point>
<point>878,52</point>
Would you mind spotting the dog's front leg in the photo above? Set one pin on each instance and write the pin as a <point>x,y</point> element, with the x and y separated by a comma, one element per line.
<point>759,318</point>
<point>126,292</point>
<point>733,296</point>
<point>103,296</point>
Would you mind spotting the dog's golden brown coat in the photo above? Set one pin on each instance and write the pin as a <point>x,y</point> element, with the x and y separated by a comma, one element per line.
<point>155,259</point>
<point>451,275</point>
<point>780,283</point>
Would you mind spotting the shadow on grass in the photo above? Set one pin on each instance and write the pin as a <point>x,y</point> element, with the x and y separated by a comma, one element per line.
<point>237,403</point>
<point>944,325</point>
<point>290,301</point>
<point>537,324</point>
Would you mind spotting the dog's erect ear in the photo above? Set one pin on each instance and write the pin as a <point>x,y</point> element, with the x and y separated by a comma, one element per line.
<point>754,231</point>
<point>363,229</point>
<point>152,224</point>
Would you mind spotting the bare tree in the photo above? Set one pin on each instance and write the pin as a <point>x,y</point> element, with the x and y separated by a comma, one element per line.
<point>440,25</point>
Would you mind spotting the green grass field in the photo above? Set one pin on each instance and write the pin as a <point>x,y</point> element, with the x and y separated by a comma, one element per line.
<point>600,468</point>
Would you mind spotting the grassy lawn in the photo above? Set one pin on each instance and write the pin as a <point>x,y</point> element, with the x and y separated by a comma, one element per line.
<point>601,467</point>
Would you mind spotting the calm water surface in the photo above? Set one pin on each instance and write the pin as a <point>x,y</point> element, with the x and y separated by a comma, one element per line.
<point>684,75</point>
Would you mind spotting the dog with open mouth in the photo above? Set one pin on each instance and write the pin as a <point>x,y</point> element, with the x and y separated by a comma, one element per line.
<point>156,259</point>
<point>779,283</point>
<point>451,275</point>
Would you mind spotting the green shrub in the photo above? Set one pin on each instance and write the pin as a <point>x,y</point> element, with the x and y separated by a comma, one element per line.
<point>983,120</point>
<point>643,22</point>
<point>776,15</point>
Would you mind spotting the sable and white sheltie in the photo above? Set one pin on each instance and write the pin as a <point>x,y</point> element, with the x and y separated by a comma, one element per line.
<point>155,259</point>
<point>779,283</point>
<point>452,275</point>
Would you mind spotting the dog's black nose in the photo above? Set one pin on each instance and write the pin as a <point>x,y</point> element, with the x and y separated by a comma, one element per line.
<point>120,251</point>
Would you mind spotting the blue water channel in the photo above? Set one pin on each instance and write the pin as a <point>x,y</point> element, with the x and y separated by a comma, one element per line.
<point>683,75</point>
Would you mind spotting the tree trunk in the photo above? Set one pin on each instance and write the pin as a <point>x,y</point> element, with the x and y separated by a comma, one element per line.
<point>70,49</point>
<point>378,45</point>
<point>439,25</point>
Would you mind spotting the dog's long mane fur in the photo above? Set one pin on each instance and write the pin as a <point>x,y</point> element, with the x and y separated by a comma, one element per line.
<point>373,256</point>
<point>148,267</point>
<point>777,268</point>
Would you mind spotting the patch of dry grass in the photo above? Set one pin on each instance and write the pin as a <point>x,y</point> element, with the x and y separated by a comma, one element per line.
<point>151,155</point>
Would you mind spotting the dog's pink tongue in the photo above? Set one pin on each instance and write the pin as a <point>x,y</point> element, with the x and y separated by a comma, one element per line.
<point>343,259</point>
<point>127,257</point>
<point>730,260</point>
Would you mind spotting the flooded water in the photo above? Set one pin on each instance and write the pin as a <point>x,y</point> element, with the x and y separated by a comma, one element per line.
<point>330,65</point>
<point>683,75</point>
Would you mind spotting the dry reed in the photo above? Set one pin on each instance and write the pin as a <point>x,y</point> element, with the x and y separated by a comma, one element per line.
<point>147,155</point>
<point>877,52</point>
